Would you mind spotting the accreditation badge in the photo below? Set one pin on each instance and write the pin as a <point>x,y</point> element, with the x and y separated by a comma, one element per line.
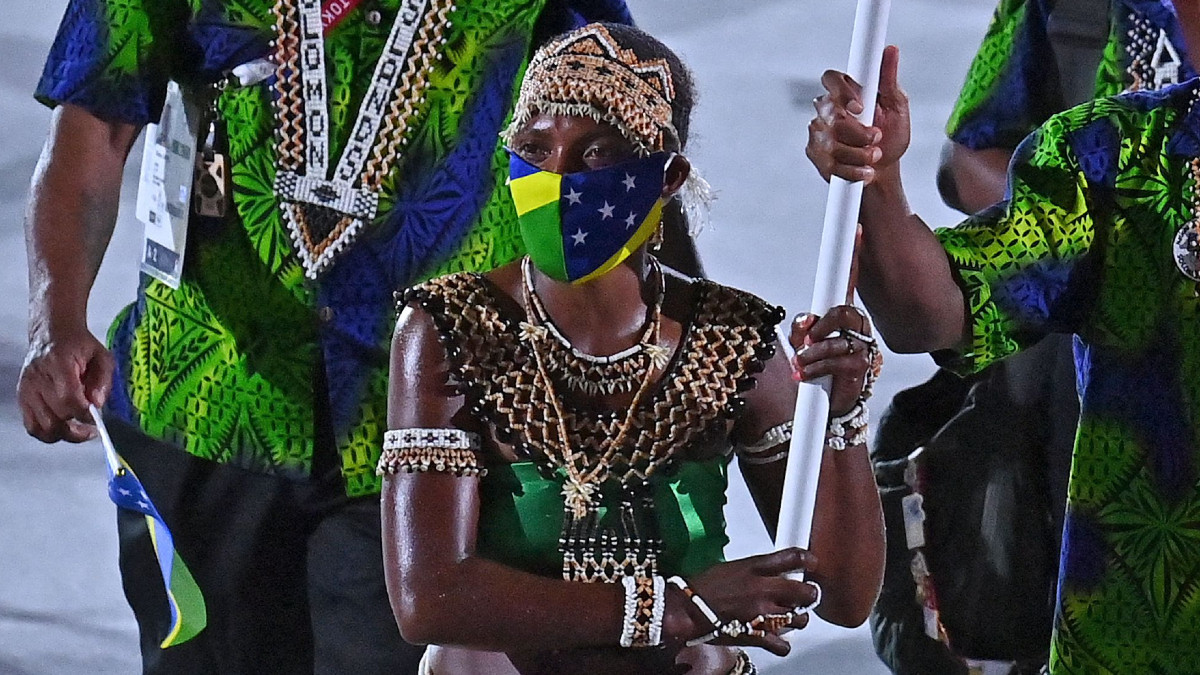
<point>165,186</point>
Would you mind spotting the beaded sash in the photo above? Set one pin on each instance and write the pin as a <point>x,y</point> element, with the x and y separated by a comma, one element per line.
<point>729,337</point>
<point>324,212</point>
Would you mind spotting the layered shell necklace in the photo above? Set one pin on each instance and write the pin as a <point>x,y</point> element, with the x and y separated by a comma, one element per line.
<point>591,552</point>
<point>325,211</point>
<point>619,373</point>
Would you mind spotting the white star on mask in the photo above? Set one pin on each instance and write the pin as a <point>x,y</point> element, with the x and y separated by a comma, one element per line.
<point>630,221</point>
<point>606,211</point>
<point>573,196</point>
<point>579,236</point>
<point>628,182</point>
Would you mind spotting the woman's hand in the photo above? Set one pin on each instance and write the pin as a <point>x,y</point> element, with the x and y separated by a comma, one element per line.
<point>845,356</point>
<point>840,145</point>
<point>743,591</point>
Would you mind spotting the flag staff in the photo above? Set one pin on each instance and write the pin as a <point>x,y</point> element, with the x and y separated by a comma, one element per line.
<point>833,278</point>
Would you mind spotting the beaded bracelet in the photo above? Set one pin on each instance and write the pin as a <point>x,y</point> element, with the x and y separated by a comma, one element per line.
<point>704,608</point>
<point>628,623</point>
<point>853,421</point>
<point>412,450</point>
<point>644,609</point>
<point>753,453</point>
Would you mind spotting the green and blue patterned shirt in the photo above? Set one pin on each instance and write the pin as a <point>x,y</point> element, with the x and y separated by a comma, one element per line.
<point>1084,245</point>
<point>1010,88</point>
<point>229,365</point>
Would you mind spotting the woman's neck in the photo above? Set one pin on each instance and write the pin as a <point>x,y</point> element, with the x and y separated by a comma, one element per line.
<point>603,315</point>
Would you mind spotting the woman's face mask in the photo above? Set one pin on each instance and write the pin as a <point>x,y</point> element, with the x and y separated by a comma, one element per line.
<point>579,226</point>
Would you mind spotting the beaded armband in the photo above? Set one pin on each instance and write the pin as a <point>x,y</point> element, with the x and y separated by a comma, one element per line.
<point>755,453</point>
<point>419,450</point>
<point>645,602</point>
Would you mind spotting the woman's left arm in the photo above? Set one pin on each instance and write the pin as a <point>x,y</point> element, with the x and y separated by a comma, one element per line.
<point>848,536</point>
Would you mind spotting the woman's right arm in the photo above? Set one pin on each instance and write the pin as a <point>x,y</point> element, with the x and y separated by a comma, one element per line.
<point>442,593</point>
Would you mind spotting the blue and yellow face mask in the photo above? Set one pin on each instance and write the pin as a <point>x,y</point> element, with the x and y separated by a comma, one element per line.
<point>579,226</point>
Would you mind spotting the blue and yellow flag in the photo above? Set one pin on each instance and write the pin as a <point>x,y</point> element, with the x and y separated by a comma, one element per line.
<point>188,614</point>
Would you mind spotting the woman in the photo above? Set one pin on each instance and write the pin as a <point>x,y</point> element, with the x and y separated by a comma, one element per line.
<point>566,420</point>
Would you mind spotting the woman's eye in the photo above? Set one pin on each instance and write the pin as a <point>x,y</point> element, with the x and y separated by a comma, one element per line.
<point>605,155</point>
<point>530,151</point>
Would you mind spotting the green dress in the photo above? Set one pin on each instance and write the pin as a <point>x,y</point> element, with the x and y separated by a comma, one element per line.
<point>677,450</point>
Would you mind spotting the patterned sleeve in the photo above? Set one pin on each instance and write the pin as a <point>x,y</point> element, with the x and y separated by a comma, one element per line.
<point>1008,92</point>
<point>109,57</point>
<point>1019,263</point>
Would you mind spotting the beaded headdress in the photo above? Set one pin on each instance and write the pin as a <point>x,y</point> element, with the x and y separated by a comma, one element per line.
<point>586,72</point>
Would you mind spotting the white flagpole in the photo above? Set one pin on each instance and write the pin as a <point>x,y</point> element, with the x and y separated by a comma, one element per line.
<point>833,278</point>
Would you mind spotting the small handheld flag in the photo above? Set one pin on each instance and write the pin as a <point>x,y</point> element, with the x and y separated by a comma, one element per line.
<point>188,613</point>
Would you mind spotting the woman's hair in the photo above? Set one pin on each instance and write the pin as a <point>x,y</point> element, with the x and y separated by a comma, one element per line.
<point>646,46</point>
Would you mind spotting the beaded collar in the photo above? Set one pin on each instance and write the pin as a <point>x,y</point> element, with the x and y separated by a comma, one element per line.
<point>725,343</point>
<point>325,210</point>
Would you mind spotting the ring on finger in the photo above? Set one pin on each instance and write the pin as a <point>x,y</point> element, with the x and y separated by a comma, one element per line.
<point>736,629</point>
<point>773,623</point>
<point>804,609</point>
<point>861,337</point>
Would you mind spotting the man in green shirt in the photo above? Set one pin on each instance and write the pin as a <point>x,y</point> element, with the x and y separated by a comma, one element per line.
<point>1097,238</point>
<point>359,143</point>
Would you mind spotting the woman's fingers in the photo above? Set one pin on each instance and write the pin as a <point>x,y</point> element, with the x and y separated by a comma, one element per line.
<point>801,325</point>
<point>789,594</point>
<point>770,642</point>
<point>781,562</point>
<point>837,319</point>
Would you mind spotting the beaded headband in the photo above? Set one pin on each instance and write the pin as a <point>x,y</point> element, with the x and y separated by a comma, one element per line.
<point>586,72</point>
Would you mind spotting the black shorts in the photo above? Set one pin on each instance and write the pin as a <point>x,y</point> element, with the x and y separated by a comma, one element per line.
<point>291,571</point>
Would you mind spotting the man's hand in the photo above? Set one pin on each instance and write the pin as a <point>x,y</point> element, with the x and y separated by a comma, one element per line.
<point>840,145</point>
<point>72,210</point>
<point>61,376</point>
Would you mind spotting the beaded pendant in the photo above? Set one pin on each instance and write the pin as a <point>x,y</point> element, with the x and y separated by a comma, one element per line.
<point>1185,249</point>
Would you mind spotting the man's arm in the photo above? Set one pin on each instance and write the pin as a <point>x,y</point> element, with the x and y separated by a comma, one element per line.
<point>69,221</point>
<point>904,276</point>
<point>972,180</point>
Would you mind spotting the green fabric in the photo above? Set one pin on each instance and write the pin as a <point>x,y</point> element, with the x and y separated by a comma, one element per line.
<point>988,66</point>
<point>189,603</point>
<point>1011,88</point>
<point>225,364</point>
<point>1084,246</point>
<point>521,515</point>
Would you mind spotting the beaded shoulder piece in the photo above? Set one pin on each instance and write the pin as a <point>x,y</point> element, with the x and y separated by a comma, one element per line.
<point>730,335</point>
